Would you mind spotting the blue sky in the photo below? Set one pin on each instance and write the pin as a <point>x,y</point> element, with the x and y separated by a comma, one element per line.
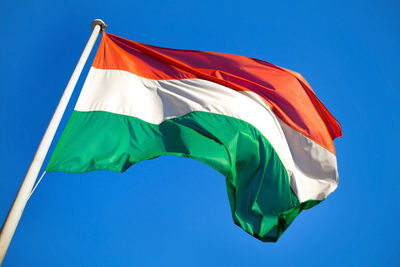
<point>175,212</point>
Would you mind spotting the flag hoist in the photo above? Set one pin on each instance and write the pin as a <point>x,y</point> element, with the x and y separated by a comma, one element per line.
<point>15,212</point>
<point>258,124</point>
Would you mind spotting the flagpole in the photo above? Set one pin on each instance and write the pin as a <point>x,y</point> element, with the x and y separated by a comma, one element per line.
<point>15,212</point>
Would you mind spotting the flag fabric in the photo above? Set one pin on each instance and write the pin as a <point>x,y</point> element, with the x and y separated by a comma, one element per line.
<point>258,124</point>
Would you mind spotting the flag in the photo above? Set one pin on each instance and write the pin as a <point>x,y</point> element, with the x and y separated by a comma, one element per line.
<point>258,124</point>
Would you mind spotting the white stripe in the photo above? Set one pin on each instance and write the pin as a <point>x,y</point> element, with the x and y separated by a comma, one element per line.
<point>311,168</point>
<point>315,175</point>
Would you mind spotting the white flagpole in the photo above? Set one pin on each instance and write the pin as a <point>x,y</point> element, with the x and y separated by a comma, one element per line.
<point>15,212</point>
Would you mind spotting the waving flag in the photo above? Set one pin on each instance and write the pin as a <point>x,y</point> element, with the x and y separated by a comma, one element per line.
<point>258,124</point>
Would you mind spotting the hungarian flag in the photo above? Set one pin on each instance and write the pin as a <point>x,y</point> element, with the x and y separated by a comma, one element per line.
<point>258,124</point>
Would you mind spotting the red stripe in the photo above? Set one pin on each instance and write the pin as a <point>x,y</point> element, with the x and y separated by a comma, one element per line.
<point>287,92</point>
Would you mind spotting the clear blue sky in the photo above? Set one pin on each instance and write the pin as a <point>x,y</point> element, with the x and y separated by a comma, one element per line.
<point>175,212</point>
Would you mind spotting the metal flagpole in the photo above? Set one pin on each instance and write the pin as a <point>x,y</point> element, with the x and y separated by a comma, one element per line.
<point>15,212</point>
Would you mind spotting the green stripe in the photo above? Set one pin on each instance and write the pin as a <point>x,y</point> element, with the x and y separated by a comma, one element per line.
<point>262,202</point>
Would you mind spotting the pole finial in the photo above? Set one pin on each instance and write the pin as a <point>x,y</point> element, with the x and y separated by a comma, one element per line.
<point>100,23</point>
